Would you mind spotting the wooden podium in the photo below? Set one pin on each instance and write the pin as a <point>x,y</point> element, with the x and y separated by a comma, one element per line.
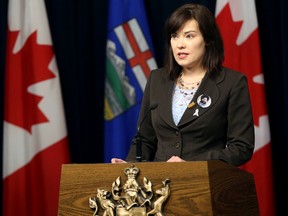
<point>197,188</point>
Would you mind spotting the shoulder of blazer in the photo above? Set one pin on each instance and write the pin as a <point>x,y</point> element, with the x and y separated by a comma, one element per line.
<point>159,72</point>
<point>226,73</point>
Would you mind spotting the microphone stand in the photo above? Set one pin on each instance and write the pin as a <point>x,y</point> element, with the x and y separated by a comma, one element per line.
<point>138,140</point>
<point>138,147</point>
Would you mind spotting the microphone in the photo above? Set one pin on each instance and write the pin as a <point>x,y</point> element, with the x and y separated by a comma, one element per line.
<point>152,106</point>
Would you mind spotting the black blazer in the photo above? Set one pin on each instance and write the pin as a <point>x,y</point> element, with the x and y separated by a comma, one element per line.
<point>222,131</point>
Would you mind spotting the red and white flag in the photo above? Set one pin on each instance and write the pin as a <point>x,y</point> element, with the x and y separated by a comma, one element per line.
<point>237,20</point>
<point>35,136</point>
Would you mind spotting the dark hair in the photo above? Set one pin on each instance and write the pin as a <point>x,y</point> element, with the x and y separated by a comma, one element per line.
<point>214,54</point>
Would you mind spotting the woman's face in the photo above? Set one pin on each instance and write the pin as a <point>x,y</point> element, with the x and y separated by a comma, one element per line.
<point>188,45</point>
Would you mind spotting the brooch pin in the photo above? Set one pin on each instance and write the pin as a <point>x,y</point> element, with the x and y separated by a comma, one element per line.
<point>204,101</point>
<point>196,113</point>
<point>190,105</point>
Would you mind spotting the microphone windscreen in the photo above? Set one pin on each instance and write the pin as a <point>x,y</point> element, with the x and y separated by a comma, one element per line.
<point>153,105</point>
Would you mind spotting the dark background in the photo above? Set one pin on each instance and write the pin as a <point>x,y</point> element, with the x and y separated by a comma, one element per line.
<point>78,29</point>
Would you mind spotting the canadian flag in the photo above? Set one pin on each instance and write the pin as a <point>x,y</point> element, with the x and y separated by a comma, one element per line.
<point>237,20</point>
<point>35,136</point>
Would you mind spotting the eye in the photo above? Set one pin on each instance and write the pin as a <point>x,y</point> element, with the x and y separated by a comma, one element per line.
<point>190,36</point>
<point>173,35</point>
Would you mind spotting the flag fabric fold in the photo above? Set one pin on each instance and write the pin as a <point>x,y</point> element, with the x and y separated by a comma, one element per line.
<point>129,60</point>
<point>237,21</point>
<point>35,141</point>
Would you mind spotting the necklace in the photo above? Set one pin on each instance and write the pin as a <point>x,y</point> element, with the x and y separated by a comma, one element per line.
<point>187,85</point>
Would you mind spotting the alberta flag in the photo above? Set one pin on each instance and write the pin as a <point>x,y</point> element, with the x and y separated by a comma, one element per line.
<point>35,143</point>
<point>237,20</point>
<point>129,60</point>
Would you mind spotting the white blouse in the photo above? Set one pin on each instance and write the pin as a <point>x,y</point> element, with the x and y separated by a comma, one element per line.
<point>180,100</point>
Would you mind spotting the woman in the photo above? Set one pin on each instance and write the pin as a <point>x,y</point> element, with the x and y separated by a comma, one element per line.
<point>204,110</point>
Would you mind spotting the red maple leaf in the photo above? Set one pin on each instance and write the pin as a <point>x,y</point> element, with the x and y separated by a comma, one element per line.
<point>23,69</point>
<point>244,58</point>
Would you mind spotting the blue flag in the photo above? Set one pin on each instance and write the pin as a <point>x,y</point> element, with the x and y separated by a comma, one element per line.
<point>129,60</point>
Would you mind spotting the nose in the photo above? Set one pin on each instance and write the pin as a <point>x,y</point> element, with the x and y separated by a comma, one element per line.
<point>181,43</point>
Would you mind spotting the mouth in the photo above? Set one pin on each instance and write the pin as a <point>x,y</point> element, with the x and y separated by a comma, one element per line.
<point>182,55</point>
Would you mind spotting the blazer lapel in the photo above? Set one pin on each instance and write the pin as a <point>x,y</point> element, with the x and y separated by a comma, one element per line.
<point>165,103</point>
<point>209,88</point>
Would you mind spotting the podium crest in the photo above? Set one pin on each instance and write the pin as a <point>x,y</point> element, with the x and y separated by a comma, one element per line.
<point>132,198</point>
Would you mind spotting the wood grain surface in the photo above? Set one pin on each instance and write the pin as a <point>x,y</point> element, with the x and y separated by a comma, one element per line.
<point>231,188</point>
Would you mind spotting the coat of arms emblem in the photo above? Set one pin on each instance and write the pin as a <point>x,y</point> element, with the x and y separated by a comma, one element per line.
<point>132,198</point>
